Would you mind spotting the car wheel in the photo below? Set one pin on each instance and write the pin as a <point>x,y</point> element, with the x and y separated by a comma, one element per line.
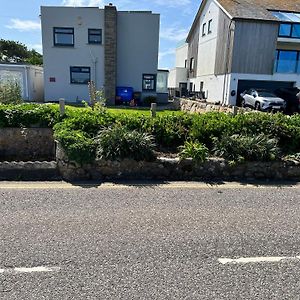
<point>257,106</point>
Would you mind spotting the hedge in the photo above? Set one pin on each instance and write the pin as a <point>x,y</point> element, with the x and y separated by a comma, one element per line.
<point>80,126</point>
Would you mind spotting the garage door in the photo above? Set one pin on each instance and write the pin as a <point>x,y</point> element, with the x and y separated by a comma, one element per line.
<point>259,84</point>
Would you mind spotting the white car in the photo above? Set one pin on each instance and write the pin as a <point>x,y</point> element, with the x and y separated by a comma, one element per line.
<point>262,100</point>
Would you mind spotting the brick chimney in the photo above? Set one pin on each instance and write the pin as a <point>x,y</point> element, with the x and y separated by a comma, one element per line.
<point>110,53</point>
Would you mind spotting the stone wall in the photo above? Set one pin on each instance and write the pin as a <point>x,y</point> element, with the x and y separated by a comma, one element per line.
<point>25,144</point>
<point>192,106</point>
<point>175,169</point>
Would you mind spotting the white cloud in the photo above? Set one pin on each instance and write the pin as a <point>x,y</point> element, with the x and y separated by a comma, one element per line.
<point>36,47</point>
<point>91,3</point>
<point>173,33</point>
<point>24,25</point>
<point>173,3</point>
<point>167,52</point>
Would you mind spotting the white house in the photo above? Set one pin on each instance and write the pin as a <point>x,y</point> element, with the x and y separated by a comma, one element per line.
<point>112,48</point>
<point>178,76</point>
<point>29,78</point>
<point>237,45</point>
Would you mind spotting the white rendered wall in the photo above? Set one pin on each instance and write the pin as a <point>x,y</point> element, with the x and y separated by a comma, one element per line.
<point>208,43</point>
<point>176,76</point>
<point>58,60</point>
<point>137,47</point>
<point>181,55</point>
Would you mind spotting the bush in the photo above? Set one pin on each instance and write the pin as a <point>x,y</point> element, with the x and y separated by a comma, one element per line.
<point>194,150</point>
<point>150,99</point>
<point>78,146</point>
<point>10,93</point>
<point>118,143</point>
<point>247,148</point>
<point>28,115</point>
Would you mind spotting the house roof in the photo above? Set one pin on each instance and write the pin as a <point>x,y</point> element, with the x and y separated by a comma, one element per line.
<point>251,9</point>
<point>258,9</point>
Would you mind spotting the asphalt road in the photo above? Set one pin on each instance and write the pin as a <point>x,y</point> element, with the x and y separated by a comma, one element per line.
<point>149,242</point>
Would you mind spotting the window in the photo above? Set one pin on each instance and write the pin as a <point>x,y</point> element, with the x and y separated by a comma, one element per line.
<point>201,86</point>
<point>287,61</point>
<point>203,29</point>
<point>149,81</point>
<point>80,75</point>
<point>209,26</point>
<point>296,31</point>
<point>289,30</point>
<point>63,36</point>
<point>192,64</point>
<point>95,36</point>
<point>185,63</point>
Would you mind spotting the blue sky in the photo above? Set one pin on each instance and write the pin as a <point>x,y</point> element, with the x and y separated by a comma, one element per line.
<point>19,20</point>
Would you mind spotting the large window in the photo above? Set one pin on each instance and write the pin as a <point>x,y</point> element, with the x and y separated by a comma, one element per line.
<point>287,61</point>
<point>95,36</point>
<point>149,82</point>
<point>63,36</point>
<point>80,75</point>
<point>289,30</point>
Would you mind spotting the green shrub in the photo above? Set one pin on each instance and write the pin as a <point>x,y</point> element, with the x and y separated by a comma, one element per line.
<point>149,99</point>
<point>118,143</point>
<point>28,115</point>
<point>10,93</point>
<point>78,146</point>
<point>194,150</point>
<point>247,148</point>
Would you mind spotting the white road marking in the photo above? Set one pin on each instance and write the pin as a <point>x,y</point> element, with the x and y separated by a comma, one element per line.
<point>30,270</point>
<point>247,260</point>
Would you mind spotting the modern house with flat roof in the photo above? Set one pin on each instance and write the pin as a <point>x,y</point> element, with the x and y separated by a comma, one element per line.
<point>237,45</point>
<point>112,48</point>
<point>178,76</point>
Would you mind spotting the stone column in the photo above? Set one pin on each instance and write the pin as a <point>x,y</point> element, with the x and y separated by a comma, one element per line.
<point>110,56</point>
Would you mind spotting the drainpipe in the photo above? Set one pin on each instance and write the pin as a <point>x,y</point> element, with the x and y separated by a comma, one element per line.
<point>94,60</point>
<point>26,82</point>
<point>225,89</point>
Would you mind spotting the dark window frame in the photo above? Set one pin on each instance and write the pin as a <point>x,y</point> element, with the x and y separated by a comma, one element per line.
<point>80,67</point>
<point>192,64</point>
<point>95,34</point>
<point>63,44</point>
<point>209,30</point>
<point>154,81</point>
<point>204,29</point>
<point>290,36</point>
<point>297,60</point>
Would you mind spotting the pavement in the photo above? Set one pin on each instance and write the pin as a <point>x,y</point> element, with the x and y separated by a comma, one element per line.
<point>149,241</point>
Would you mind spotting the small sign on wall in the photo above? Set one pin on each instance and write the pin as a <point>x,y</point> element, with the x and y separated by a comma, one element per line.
<point>52,79</point>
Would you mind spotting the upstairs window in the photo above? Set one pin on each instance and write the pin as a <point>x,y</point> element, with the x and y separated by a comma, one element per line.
<point>209,27</point>
<point>63,36</point>
<point>204,29</point>
<point>80,75</point>
<point>149,82</point>
<point>296,31</point>
<point>95,36</point>
<point>285,30</point>
<point>192,64</point>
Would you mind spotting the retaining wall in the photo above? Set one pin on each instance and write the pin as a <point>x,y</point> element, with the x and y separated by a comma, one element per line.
<point>25,144</point>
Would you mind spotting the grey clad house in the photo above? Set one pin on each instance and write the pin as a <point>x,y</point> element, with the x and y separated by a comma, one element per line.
<point>113,48</point>
<point>237,45</point>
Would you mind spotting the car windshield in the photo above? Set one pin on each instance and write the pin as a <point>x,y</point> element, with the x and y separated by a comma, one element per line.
<point>266,94</point>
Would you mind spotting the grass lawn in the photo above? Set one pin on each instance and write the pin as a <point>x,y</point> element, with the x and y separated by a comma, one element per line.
<point>143,111</point>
